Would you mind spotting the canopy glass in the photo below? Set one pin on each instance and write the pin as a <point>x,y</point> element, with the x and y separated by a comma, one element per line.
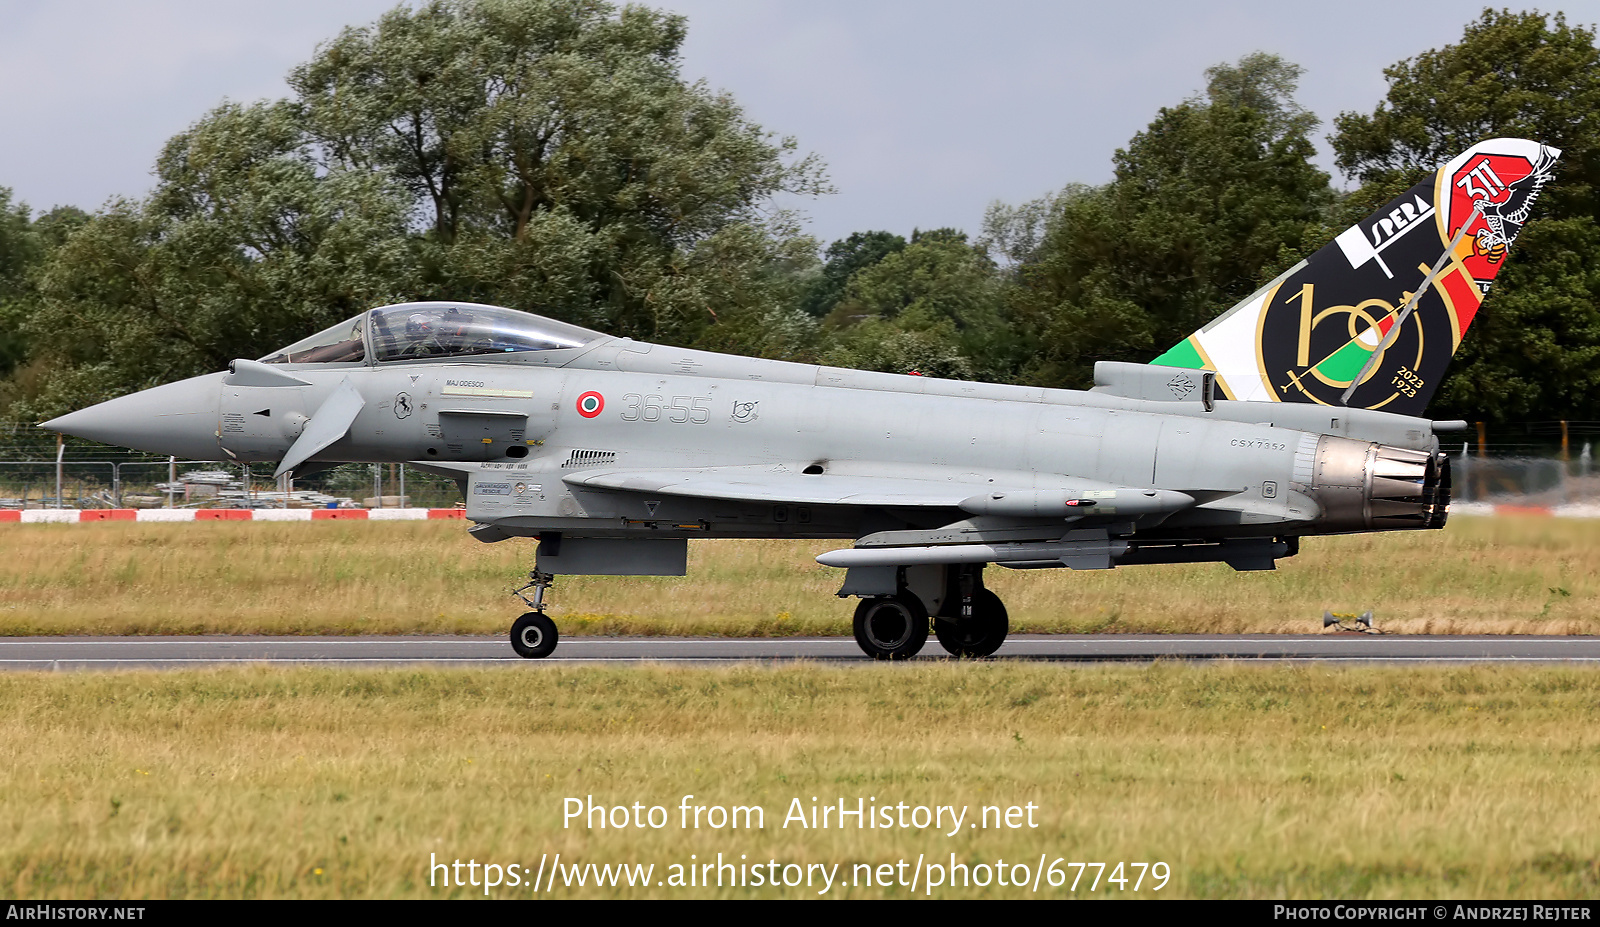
<point>413,331</point>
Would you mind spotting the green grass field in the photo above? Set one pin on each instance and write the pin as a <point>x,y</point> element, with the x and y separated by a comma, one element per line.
<point>1479,575</point>
<point>1248,781</point>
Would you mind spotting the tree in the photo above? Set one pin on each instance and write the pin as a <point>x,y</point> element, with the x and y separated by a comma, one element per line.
<point>544,155</point>
<point>932,306</point>
<point>842,259</point>
<point>1204,204</point>
<point>1012,234</point>
<point>561,162</point>
<point>1264,83</point>
<point>1532,348</point>
<point>938,275</point>
<point>1515,74</point>
<point>53,228</point>
<point>19,252</point>
<point>18,248</point>
<point>246,244</point>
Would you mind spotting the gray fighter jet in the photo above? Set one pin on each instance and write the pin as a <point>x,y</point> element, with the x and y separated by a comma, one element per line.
<point>1295,413</point>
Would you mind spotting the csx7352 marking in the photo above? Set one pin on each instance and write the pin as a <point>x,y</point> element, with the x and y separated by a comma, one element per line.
<point>692,409</point>
<point>1259,444</point>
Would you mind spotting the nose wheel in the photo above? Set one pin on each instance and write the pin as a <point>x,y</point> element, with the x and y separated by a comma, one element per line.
<point>534,635</point>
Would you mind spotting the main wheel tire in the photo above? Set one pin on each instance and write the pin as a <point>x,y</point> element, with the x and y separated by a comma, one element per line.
<point>891,627</point>
<point>534,636</point>
<point>978,636</point>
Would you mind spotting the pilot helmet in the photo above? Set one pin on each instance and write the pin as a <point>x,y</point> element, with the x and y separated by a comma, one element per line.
<point>418,325</point>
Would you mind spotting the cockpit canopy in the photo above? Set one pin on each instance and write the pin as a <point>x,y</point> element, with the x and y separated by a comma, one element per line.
<point>414,331</point>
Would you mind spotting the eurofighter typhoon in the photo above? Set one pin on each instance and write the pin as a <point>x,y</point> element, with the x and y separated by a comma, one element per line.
<point>1297,412</point>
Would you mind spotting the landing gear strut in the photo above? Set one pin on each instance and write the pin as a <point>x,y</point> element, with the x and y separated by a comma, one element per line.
<point>534,634</point>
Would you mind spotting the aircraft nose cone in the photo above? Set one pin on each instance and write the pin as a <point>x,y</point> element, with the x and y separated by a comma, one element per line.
<point>178,419</point>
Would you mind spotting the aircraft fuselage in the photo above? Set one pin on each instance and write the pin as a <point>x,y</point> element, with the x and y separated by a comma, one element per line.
<point>496,422</point>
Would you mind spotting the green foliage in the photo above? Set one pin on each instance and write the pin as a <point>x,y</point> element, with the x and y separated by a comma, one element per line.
<point>245,244</point>
<point>19,251</point>
<point>561,162</point>
<point>548,155</point>
<point>24,247</point>
<point>1531,350</point>
<point>53,228</point>
<point>1204,203</point>
<point>542,155</point>
<point>933,306</point>
<point>1266,84</point>
<point>917,344</point>
<point>937,276</point>
<point>842,259</point>
<point>1012,234</point>
<point>19,248</point>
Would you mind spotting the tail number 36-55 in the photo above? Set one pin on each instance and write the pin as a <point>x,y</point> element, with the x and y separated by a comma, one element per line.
<point>692,409</point>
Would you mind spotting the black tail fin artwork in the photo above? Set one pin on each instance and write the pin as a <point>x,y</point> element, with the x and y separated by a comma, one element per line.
<point>1372,319</point>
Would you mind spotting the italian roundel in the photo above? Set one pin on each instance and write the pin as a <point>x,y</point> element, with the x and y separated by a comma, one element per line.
<point>591,404</point>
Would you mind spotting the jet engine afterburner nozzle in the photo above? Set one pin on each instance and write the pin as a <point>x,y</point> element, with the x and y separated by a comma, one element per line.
<point>1363,486</point>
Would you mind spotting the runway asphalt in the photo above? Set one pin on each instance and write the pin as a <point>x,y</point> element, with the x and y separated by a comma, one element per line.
<point>87,653</point>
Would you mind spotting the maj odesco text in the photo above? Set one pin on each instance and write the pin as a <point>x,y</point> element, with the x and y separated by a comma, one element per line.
<point>861,813</point>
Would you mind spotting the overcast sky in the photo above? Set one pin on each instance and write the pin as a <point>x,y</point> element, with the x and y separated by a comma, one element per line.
<point>925,112</point>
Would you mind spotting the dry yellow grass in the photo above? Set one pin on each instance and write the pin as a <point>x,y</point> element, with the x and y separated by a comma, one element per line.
<point>1249,781</point>
<point>1479,575</point>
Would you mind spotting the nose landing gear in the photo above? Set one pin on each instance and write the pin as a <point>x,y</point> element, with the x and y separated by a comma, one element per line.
<point>534,635</point>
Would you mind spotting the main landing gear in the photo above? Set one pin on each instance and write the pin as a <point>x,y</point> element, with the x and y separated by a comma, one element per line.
<point>534,634</point>
<point>891,627</point>
<point>968,620</point>
<point>980,632</point>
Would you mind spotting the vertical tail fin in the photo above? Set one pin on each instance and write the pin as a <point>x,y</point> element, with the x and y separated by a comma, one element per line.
<point>1310,334</point>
